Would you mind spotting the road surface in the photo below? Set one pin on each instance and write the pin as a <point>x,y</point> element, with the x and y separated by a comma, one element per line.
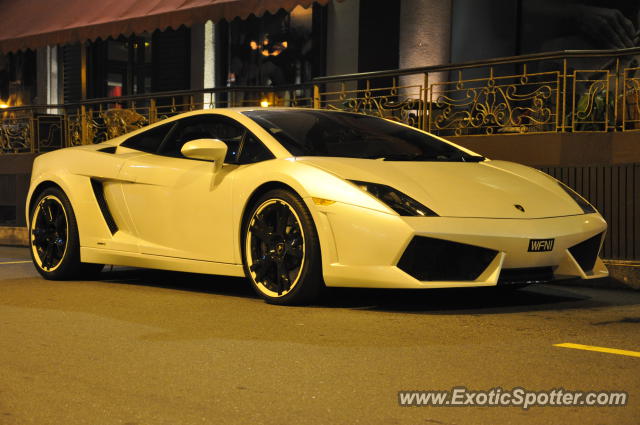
<point>152,347</point>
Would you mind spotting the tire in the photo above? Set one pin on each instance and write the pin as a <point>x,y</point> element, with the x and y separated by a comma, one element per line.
<point>53,238</point>
<point>281,251</point>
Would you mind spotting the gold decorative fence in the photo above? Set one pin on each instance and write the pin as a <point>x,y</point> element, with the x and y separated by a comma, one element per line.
<point>585,91</point>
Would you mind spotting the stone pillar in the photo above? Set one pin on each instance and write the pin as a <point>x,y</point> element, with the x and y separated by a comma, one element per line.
<point>203,61</point>
<point>197,60</point>
<point>209,77</point>
<point>425,37</point>
<point>342,39</point>
<point>48,76</point>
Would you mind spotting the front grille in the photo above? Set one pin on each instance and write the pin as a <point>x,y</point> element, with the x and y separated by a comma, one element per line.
<point>525,276</point>
<point>430,259</point>
<point>586,252</point>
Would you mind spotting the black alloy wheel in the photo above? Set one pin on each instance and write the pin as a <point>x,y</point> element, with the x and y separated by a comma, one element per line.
<point>49,231</point>
<point>281,249</point>
<point>53,235</point>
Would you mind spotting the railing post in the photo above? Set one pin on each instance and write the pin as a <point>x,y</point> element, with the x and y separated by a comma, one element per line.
<point>153,111</point>
<point>563,98</point>
<point>66,133</point>
<point>425,98</point>
<point>84,127</point>
<point>617,96</point>
<point>316,96</point>
<point>32,133</point>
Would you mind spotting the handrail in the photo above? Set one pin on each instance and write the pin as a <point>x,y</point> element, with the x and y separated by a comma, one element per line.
<point>507,100</point>
<point>560,54</point>
<point>156,95</point>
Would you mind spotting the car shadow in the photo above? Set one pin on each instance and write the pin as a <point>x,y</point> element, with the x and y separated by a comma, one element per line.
<point>471,301</point>
<point>192,282</point>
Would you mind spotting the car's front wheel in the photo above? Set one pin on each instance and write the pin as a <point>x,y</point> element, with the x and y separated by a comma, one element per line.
<point>53,235</point>
<point>281,249</point>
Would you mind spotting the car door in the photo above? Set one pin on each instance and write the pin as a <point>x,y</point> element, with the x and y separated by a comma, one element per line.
<point>180,207</point>
<point>107,183</point>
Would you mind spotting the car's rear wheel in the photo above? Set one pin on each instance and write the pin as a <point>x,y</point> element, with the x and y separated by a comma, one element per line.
<point>53,235</point>
<point>281,249</point>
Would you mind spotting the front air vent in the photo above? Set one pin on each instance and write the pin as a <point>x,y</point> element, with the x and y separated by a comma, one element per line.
<point>586,252</point>
<point>98,191</point>
<point>525,276</point>
<point>429,259</point>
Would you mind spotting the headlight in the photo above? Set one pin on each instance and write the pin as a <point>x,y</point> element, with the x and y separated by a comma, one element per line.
<point>396,200</point>
<point>587,208</point>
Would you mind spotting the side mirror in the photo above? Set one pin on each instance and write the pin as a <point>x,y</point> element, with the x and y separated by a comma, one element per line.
<point>206,149</point>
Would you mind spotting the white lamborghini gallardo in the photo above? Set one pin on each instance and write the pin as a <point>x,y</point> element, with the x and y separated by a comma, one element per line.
<point>296,199</point>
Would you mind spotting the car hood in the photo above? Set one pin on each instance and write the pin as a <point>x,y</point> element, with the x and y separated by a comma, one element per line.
<point>488,189</point>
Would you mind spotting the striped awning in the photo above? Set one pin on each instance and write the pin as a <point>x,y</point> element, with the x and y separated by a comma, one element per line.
<point>28,24</point>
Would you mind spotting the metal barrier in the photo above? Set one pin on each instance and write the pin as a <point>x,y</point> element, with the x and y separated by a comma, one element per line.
<point>571,91</point>
<point>615,191</point>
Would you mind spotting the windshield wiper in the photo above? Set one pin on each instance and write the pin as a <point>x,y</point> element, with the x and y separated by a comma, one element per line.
<point>472,158</point>
<point>435,158</point>
<point>398,157</point>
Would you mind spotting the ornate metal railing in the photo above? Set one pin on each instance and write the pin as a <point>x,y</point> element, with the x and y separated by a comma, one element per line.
<point>571,91</point>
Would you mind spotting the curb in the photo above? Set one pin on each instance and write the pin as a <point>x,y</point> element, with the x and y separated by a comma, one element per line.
<point>624,273</point>
<point>14,236</point>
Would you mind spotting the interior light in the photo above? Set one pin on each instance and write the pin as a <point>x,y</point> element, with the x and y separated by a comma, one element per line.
<point>3,105</point>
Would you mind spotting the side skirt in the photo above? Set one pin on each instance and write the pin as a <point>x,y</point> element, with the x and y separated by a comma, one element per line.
<point>132,259</point>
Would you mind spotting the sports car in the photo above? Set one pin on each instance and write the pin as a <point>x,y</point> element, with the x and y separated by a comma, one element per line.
<point>300,199</point>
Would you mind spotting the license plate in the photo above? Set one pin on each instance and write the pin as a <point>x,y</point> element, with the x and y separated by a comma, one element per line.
<point>541,245</point>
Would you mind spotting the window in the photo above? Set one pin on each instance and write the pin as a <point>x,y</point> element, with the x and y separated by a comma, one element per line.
<point>135,64</point>
<point>120,67</point>
<point>204,127</point>
<point>273,49</point>
<point>18,78</point>
<point>253,150</point>
<point>150,140</point>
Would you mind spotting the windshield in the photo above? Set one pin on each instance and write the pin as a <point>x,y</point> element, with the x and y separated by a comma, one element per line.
<point>341,134</point>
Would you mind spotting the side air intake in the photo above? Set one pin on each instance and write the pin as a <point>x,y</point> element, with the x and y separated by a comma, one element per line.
<point>98,191</point>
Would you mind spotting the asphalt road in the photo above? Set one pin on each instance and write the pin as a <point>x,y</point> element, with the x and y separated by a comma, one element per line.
<point>149,347</point>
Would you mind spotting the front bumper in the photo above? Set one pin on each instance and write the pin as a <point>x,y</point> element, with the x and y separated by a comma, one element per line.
<point>368,248</point>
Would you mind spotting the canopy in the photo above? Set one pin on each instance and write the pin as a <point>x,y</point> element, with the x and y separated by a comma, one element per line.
<point>35,23</point>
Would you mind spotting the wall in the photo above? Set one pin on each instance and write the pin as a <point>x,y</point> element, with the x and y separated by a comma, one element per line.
<point>15,170</point>
<point>557,149</point>
<point>483,29</point>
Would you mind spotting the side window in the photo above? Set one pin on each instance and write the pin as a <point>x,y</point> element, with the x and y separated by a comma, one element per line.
<point>150,140</point>
<point>204,127</point>
<point>253,150</point>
